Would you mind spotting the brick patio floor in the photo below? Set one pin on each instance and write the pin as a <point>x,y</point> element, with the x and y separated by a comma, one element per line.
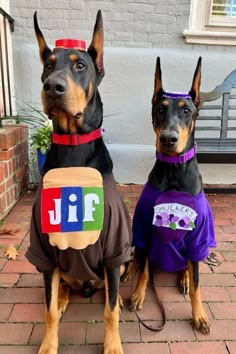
<point>81,328</point>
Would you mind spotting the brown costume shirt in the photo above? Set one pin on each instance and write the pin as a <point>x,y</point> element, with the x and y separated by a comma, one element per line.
<point>112,249</point>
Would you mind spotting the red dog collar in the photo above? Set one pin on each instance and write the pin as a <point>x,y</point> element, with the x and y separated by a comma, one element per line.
<point>75,139</point>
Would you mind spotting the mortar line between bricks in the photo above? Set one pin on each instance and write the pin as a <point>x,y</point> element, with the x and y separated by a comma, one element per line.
<point>209,306</point>
<point>30,335</point>
<point>226,346</point>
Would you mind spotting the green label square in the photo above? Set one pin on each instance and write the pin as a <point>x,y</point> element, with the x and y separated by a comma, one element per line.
<point>93,208</point>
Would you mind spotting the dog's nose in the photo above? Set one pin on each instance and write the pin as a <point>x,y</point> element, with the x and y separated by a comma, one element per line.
<point>55,86</point>
<point>169,138</point>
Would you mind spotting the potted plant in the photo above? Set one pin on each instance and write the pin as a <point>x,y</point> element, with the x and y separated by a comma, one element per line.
<point>40,143</point>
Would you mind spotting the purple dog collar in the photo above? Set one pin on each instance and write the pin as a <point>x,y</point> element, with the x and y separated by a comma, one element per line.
<point>167,94</point>
<point>181,159</point>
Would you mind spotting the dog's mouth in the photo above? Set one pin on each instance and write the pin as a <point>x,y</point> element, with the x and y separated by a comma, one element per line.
<point>54,108</point>
<point>65,121</point>
<point>172,151</point>
<point>68,104</point>
<point>55,113</point>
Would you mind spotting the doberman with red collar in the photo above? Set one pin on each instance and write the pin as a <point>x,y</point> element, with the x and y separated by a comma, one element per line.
<point>71,99</point>
<point>173,224</point>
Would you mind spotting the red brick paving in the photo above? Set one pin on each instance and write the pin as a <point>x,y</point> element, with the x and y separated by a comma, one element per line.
<point>5,312</point>
<point>231,347</point>
<point>198,348</point>
<point>81,328</point>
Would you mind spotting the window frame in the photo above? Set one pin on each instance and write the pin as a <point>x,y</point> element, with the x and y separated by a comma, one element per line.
<point>204,29</point>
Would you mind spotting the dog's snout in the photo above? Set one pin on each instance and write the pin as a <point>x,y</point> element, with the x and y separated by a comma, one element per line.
<point>55,86</point>
<point>169,138</point>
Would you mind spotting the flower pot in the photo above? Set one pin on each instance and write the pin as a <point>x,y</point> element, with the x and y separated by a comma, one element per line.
<point>41,159</point>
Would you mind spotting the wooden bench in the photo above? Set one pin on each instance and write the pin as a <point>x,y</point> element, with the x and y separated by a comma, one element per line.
<point>216,124</point>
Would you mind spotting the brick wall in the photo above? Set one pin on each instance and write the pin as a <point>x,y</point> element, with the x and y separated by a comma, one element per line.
<point>127,23</point>
<point>130,194</point>
<point>13,165</point>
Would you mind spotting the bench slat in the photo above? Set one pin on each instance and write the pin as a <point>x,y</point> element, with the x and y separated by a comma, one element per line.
<point>208,128</point>
<point>217,118</point>
<point>216,145</point>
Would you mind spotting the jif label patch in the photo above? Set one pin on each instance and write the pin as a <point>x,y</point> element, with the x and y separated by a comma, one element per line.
<point>71,209</point>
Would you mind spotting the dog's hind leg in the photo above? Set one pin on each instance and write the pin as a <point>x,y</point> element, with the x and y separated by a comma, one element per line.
<point>200,318</point>
<point>63,298</point>
<point>112,341</point>
<point>50,340</point>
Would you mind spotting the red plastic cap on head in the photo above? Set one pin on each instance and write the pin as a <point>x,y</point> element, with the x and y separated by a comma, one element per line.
<point>70,43</point>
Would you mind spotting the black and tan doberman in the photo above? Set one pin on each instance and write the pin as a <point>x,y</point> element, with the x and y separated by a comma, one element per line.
<point>71,99</point>
<point>173,224</point>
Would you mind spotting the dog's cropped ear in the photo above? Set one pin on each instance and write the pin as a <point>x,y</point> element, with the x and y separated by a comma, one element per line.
<point>195,89</point>
<point>44,51</point>
<point>158,90</point>
<point>95,49</point>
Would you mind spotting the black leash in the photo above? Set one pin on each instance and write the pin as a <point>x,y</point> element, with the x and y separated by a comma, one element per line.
<point>159,302</point>
<point>212,260</point>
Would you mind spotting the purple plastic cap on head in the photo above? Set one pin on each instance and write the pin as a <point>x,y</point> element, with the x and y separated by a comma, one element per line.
<point>167,94</point>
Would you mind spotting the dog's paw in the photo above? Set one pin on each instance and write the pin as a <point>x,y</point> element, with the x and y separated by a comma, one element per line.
<point>126,277</point>
<point>129,273</point>
<point>47,349</point>
<point>112,346</point>
<point>137,300</point>
<point>202,323</point>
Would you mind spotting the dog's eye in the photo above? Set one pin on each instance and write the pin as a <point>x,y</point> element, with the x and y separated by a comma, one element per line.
<point>79,66</point>
<point>160,110</point>
<point>186,110</point>
<point>49,66</point>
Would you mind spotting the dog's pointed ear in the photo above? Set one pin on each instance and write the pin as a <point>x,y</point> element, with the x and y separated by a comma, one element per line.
<point>95,49</point>
<point>157,81</point>
<point>195,89</point>
<point>44,51</point>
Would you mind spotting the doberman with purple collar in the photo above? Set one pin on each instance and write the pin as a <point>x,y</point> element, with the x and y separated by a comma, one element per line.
<point>71,99</point>
<point>173,224</point>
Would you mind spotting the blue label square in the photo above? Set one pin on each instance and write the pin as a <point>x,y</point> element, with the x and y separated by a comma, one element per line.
<point>71,209</point>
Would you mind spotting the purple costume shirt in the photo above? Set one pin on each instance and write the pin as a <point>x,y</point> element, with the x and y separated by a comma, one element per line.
<point>169,249</point>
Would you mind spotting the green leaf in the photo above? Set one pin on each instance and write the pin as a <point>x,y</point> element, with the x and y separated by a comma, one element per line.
<point>192,225</point>
<point>43,150</point>
<point>173,226</point>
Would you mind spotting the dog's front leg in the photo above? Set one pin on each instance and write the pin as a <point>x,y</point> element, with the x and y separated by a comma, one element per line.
<point>52,317</point>
<point>200,318</point>
<point>112,341</point>
<point>139,293</point>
